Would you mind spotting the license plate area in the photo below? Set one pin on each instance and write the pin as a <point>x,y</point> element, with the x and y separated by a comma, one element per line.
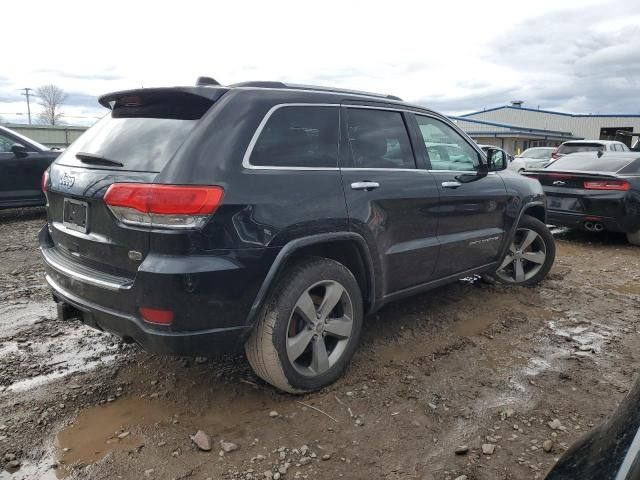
<point>75,215</point>
<point>564,203</point>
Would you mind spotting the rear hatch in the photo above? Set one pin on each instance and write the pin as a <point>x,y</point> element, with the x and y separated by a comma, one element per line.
<point>571,181</point>
<point>132,143</point>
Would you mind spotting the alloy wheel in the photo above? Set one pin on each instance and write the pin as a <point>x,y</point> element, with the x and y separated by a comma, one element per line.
<point>319,328</point>
<point>526,256</point>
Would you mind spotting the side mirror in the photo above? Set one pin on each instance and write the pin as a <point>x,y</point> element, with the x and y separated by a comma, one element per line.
<point>19,150</point>
<point>482,171</point>
<point>497,159</point>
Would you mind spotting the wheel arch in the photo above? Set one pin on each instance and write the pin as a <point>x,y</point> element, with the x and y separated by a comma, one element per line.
<point>348,248</point>
<point>536,209</point>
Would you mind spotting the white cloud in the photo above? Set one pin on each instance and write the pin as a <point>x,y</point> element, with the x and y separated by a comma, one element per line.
<point>449,54</point>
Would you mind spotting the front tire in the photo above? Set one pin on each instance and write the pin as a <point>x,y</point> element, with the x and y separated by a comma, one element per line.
<point>309,328</point>
<point>530,256</point>
<point>634,238</point>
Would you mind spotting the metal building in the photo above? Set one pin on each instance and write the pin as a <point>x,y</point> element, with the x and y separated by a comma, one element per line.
<point>60,136</point>
<point>515,128</point>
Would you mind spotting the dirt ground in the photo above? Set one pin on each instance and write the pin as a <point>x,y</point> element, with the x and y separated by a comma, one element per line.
<point>471,364</point>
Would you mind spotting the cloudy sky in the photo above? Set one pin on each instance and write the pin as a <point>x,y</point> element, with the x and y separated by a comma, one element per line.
<point>568,55</point>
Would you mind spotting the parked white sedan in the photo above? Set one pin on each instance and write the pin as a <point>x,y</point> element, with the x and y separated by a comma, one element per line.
<point>536,157</point>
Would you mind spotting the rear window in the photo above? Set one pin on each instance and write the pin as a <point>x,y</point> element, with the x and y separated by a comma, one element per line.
<point>589,163</point>
<point>141,134</point>
<point>298,136</point>
<point>568,148</point>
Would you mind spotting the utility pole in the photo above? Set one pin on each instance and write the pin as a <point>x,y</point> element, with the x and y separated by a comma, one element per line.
<point>26,94</point>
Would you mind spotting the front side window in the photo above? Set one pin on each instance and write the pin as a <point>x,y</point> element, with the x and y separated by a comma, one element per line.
<point>298,136</point>
<point>378,139</point>
<point>446,148</point>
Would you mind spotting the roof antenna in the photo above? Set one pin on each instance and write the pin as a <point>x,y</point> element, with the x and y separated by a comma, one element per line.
<point>204,81</point>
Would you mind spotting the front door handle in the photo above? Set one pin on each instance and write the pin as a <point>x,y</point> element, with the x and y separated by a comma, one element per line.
<point>364,185</point>
<point>451,184</point>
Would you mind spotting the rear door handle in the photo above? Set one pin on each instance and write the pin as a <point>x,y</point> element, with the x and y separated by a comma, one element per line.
<point>451,184</point>
<point>364,185</point>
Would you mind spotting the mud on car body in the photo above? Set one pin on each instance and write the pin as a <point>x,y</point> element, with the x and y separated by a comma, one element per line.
<point>198,220</point>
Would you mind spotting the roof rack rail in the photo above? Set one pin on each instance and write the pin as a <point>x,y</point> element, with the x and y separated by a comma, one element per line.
<point>267,84</point>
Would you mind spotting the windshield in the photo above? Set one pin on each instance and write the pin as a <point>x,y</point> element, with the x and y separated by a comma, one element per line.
<point>537,153</point>
<point>568,148</point>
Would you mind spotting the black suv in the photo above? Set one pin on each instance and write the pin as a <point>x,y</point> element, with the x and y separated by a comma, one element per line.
<point>197,220</point>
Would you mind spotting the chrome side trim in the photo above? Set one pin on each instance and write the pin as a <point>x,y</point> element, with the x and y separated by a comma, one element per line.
<point>246,163</point>
<point>254,139</point>
<point>371,97</point>
<point>460,171</point>
<point>108,282</point>
<point>365,169</point>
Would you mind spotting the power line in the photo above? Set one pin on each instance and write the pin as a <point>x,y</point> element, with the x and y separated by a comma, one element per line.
<point>26,94</point>
<point>64,115</point>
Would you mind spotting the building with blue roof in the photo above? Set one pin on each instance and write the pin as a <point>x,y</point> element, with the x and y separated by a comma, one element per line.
<point>516,128</point>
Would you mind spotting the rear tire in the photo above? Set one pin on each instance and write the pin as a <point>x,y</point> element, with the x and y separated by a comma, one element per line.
<point>530,256</point>
<point>634,238</point>
<point>301,342</point>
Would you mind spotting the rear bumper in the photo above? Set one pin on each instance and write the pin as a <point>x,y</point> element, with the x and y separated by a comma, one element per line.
<point>212,342</point>
<point>577,221</point>
<point>210,297</point>
<point>616,211</point>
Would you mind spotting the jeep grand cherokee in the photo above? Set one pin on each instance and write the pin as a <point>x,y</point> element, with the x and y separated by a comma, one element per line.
<point>198,220</point>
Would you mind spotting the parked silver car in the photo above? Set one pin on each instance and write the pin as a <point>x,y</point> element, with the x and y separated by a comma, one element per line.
<point>536,157</point>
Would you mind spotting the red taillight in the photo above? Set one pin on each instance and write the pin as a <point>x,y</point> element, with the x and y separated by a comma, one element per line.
<point>45,181</point>
<point>621,186</point>
<point>156,315</point>
<point>167,206</point>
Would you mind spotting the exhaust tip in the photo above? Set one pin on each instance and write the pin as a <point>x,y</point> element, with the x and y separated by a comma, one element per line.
<point>598,227</point>
<point>588,226</point>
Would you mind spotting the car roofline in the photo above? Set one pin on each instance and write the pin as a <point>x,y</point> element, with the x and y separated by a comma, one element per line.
<point>213,92</point>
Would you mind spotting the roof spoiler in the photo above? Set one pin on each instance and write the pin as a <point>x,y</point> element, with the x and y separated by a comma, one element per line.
<point>109,100</point>
<point>204,81</point>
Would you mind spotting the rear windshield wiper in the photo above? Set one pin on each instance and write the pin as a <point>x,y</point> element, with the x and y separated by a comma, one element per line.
<point>96,159</point>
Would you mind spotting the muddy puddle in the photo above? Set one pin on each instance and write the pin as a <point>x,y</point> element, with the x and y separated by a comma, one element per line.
<point>100,430</point>
<point>15,317</point>
<point>131,424</point>
<point>628,288</point>
<point>475,325</point>
<point>37,349</point>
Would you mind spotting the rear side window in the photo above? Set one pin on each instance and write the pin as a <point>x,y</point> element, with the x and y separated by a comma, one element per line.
<point>378,139</point>
<point>140,133</point>
<point>298,136</point>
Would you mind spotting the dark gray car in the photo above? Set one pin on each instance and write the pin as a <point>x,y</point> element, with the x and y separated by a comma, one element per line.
<point>22,163</point>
